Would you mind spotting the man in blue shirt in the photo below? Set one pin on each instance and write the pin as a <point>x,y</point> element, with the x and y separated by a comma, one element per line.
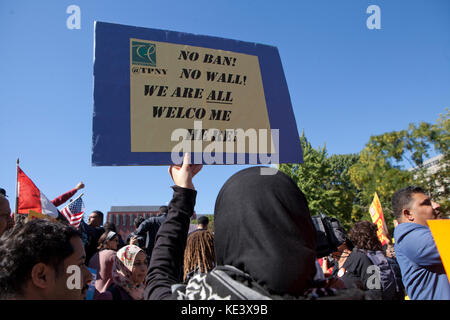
<point>421,266</point>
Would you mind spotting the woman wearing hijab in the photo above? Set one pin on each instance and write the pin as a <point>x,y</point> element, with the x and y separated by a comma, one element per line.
<point>103,261</point>
<point>264,241</point>
<point>130,267</point>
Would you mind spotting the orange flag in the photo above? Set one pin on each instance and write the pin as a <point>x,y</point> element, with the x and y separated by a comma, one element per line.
<point>441,234</point>
<point>376,213</point>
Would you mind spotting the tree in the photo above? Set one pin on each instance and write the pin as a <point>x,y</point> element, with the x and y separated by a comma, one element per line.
<point>348,201</point>
<point>381,166</point>
<point>324,181</point>
<point>343,186</point>
<point>437,182</point>
<point>373,173</point>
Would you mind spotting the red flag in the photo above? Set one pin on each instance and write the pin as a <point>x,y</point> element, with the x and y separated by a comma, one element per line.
<point>31,198</point>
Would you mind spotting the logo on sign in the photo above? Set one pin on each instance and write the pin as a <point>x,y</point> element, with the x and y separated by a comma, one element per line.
<point>372,211</point>
<point>143,53</point>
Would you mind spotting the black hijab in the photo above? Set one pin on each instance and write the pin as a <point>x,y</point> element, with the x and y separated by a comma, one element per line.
<point>263,227</point>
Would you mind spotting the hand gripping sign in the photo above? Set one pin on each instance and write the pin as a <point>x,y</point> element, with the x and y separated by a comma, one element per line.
<point>159,94</point>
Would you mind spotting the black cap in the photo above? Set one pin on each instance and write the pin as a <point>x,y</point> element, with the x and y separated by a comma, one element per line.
<point>3,192</point>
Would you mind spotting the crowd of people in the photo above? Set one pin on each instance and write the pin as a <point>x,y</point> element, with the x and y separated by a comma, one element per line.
<point>263,246</point>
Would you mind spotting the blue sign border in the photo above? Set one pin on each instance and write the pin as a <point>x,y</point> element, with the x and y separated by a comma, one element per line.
<point>111,142</point>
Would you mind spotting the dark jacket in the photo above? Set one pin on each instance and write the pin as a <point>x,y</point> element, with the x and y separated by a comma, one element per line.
<point>90,236</point>
<point>355,267</point>
<point>114,292</point>
<point>226,281</point>
<point>148,230</point>
<point>400,289</point>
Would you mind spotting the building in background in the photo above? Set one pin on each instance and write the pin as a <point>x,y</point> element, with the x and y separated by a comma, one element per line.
<point>431,165</point>
<point>435,171</point>
<point>123,217</point>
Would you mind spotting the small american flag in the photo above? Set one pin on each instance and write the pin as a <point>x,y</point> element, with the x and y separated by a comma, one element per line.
<point>74,212</point>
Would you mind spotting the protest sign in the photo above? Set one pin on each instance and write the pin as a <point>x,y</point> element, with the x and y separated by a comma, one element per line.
<point>158,94</point>
<point>376,213</point>
<point>441,234</point>
<point>37,215</point>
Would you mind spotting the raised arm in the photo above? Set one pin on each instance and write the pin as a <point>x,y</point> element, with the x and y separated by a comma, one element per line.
<point>165,267</point>
<point>66,196</point>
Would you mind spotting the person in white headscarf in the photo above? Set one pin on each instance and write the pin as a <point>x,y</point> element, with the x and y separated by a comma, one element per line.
<point>129,270</point>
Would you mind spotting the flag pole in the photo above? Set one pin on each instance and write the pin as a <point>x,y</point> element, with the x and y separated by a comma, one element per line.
<point>17,192</point>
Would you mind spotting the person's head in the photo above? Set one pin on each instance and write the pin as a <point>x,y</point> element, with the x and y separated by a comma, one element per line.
<point>5,214</point>
<point>263,227</point>
<point>21,219</point>
<point>363,234</point>
<point>199,253</point>
<point>203,222</point>
<point>343,249</point>
<point>95,218</point>
<point>43,260</point>
<point>390,251</point>
<point>411,204</point>
<point>108,240</point>
<point>163,210</point>
<point>129,270</point>
<point>138,221</point>
<point>109,226</point>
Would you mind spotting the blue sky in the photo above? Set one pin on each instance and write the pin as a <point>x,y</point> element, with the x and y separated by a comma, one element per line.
<point>346,82</point>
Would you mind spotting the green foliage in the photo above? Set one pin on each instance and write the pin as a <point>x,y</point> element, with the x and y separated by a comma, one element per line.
<point>349,196</point>
<point>437,183</point>
<point>380,168</point>
<point>210,224</point>
<point>343,186</point>
<point>324,181</point>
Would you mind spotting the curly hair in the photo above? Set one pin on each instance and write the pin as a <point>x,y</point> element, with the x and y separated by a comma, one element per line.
<point>37,241</point>
<point>199,253</point>
<point>363,234</point>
